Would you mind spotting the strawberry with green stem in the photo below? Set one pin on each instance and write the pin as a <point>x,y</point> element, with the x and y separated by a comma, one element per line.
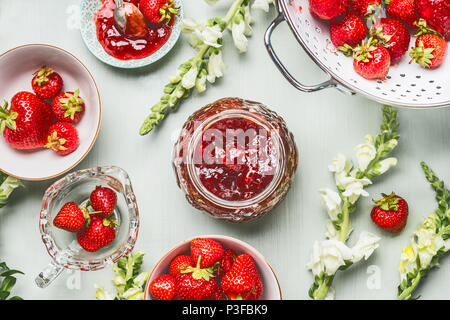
<point>393,35</point>
<point>371,61</point>
<point>240,282</point>
<point>62,138</point>
<point>210,250</point>
<point>68,106</point>
<point>103,199</point>
<point>98,233</point>
<point>158,11</point>
<point>179,264</point>
<point>402,10</point>
<point>390,213</point>
<point>46,83</point>
<point>365,8</point>
<point>71,217</point>
<point>347,31</point>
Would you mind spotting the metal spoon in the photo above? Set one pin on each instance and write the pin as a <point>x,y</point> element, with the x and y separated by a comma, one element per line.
<point>129,20</point>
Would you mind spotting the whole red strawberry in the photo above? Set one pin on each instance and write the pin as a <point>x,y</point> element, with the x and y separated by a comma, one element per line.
<point>179,264</point>
<point>218,295</point>
<point>71,217</point>
<point>46,83</point>
<point>226,262</point>
<point>68,106</point>
<point>195,283</point>
<point>158,11</point>
<point>371,61</point>
<point>327,9</point>
<point>241,280</point>
<point>365,8</point>
<point>104,200</point>
<point>347,31</point>
<point>163,287</point>
<point>404,11</point>
<point>390,213</point>
<point>210,251</point>
<point>257,292</point>
<point>393,35</point>
<point>25,125</point>
<point>430,51</point>
<point>62,138</point>
<point>436,13</point>
<point>98,234</point>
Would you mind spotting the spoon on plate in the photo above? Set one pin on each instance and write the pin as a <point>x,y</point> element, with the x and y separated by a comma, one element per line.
<point>129,20</point>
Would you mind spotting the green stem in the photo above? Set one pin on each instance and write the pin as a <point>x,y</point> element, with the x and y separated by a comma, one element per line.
<point>324,287</point>
<point>406,294</point>
<point>345,221</point>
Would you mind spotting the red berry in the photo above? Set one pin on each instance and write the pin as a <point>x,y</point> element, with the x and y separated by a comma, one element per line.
<point>226,262</point>
<point>257,291</point>
<point>436,13</point>
<point>180,263</point>
<point>393,35</point>
<point>327,9</point>
<point>390,213</point>
<point>70,218</point>
<point>104,200</point>
<point>404,11</point>
<point>68,106</point>
<point>430,51</point>
<point>46,83</point>
<point>365,8</point>
<point>163,287</point>
<point>348,29</point>
<point>371,61</point>
<point>240,282</point>
<point>98,234</point>
<point>210,251</point>
<point>158,11</point>
<point>62,138</point>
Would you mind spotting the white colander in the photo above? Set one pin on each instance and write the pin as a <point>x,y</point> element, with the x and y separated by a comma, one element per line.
<point>407,85</point>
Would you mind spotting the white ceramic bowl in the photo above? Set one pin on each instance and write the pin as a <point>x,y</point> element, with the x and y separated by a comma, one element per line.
<point>271,287</point>
<point>17,67</point>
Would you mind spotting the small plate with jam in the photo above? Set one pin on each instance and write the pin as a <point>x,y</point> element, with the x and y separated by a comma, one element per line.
<point>112,47</point>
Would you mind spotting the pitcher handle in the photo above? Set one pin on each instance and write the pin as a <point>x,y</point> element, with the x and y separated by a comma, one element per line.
<point>49,274</point>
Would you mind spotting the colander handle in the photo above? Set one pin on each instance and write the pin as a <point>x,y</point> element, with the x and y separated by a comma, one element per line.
<point>268,42</point>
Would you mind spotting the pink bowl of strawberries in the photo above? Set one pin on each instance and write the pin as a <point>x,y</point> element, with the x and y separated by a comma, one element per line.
<point>51,113</point>
<point>213,267</point>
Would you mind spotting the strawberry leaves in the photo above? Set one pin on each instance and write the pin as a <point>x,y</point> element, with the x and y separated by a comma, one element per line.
<point>7,282</point>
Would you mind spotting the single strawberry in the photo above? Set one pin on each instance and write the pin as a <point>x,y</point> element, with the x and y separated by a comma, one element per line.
<point>225,264</point>
<point>390,213</point>
<point>71,217</point>
<point>365,8</point>
<point>179,264</point>
<point>158,11</point>
<point>327,9</point>
<point>218,295</point>
<point>163,287</point>
<point>62,138</point>
<point>371,61</point>
<point>436,13</point>
<point>25,125</point>
<point>195,283</point>
<point>46,83</point>
<point>393,35</point>
<point>68,106</point>
<point>103,199</point>
<point>257,292</point>
<point>240,282</point>
<point>430,51</point>
<point>99,233</point>
<point>347,31</point>
<point>210,251</point>
<point>402,10</point>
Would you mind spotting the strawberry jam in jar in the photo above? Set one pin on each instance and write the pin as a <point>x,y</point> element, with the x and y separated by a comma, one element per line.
<point>235,159</point>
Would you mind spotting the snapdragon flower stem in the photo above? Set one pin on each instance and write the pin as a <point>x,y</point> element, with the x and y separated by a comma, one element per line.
<point>324,287</point>
<point>345,221</point>
<point>406,294</point>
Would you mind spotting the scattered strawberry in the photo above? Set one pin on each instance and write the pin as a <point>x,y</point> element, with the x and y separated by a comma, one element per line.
<point>436,13</point>
<point>240,282</point>
<point>158,11</point>
<point>98,234</point>
<point>404,11</point>
<point>390,213</point>
<point>371,61</point>
<point>327,9</point>
<point>347,31</point>
<point>257,291</point>
<point>104,200</point>
<point>430,51</point>
<point>163,287</point>
<point>179,264</point>
<point>46,83</point>
<point>392,35</point>
<point>226,262</point>
<point>25,125</point>
<point>210,251</point>
<point>68,106</point>
<point>71,217</point>
<point>62,138</point>
<point>365,8</point>
<point>195,283</point>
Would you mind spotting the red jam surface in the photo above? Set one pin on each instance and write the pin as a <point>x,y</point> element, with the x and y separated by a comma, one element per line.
<point>238,170</point>
<point>120,47</point>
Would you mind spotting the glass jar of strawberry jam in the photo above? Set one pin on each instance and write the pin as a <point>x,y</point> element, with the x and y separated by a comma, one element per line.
<point>235,159</point>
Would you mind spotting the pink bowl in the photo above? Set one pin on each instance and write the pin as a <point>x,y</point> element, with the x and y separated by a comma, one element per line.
<point>271,291</point>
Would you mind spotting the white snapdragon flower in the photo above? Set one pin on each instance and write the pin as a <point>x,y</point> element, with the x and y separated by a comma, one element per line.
<point>200,84</point>
<point>328,256</point>
<point>428,244</point>
<point>262,5</point>
<point>365,152</point>
<point>176,77</point>
<point>332,202</point>
<point>216,67</point>
<point>354,188</point>
<point>248,20</point>
<point>365,246</point>
<point>102,294</point>
<point>189,79</point>
<point>201,34</point>
<point>385,165</point>
<point>332,233</point>
<point>431,222</point>
<point>239,38</point>
<point>340,163</point>
<point>407,262</point>
<point>133,293</point>
<point>189,25</point>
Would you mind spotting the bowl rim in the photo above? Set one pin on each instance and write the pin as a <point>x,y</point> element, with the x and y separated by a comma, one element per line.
<point>136,64</point>
<point>99,105</point>
<point>147,285</point>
